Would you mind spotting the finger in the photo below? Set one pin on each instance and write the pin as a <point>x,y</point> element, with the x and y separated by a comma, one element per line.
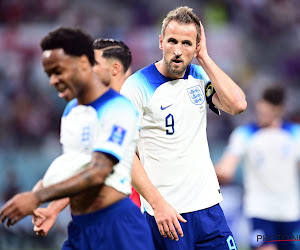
<point>167,231</point>
<point>161,230</point>
<point>40,233</point>
<point>37,213</point>
<point>180,218</point>
<point>36,229</point>
<point>7,212</point>
<point>173,232</point>
<point>201,28</point>
<point>13,221</point>
<point>6,217</point>
<point>38,221</point>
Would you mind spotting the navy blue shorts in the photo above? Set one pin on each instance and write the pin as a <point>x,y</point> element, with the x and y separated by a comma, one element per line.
<point>119,226</point>
<point>204,229</point>
<point>285,235</point>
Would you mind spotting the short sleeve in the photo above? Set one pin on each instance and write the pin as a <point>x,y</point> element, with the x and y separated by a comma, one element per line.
<point>117,130</point>
<point>133,92</point>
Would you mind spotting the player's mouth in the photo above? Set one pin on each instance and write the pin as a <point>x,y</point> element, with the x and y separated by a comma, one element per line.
<point>176,61</point>
<point>62,90</point>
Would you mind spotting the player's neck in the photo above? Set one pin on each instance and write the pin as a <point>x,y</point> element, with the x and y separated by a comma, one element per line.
<point>277,123</point>
<point>92,91</point>
<point>117,83</point>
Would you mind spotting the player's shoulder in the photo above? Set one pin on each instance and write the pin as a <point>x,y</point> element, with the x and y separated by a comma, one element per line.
<point>141,75</point>
<point>112,101</point>
<point>246,130</point>
<point>146,78</point>
<point>197,72</point>
<point>70,105</point>
<point>292,128</point>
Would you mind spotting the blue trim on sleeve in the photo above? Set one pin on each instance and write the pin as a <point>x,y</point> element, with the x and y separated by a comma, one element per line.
<point>107,96</point>
<point>109,152</point>
<point>71,104</point>
<point>252,128</point>
<point>247,130</point>
<point>196,71</point>
<point>291,128</point>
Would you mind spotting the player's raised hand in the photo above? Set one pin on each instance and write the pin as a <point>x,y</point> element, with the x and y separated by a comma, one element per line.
<point>18,207</point>
<point>201,47</point>
<point>167,219</point>
<point>43,220</point>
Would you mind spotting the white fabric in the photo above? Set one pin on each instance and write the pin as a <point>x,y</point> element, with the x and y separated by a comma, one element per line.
<point>173,144</point>
<point>271,173</point>
<point>108,125</point>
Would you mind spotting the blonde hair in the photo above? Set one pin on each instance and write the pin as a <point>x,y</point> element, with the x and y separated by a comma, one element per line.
<point>182,15</point>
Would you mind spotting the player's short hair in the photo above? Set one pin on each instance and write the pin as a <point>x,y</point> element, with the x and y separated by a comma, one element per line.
<point>114,49</point>
<point>73,41</point>
<point>182,15</point>
<point>274,95</point>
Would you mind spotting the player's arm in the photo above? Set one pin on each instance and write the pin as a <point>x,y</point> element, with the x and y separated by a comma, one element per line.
<point>100,167</point>
<point>165,215</point>
<point>229,96</point>
<point>226,167</point>
<point>25,203</point>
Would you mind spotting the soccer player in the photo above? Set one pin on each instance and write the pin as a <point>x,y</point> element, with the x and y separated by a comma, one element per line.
<point>175,175</point>
<point>98,126</point>
<point>112,63</point>
<point>270,148</point>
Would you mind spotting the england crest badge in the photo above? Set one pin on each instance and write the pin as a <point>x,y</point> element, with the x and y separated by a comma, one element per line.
<point>196,95</point>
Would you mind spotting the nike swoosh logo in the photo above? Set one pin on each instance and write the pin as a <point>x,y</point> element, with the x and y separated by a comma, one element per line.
<point>163,108</point>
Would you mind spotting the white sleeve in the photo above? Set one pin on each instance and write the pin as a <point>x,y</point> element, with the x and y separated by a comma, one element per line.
<point>132,90</point>
<point>117,130</point>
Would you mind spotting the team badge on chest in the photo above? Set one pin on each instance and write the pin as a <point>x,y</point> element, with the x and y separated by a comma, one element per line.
<point>196,95</point>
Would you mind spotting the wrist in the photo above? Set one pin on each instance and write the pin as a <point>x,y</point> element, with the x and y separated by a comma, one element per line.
<point>156,201</point>
<point>37,198</point>
<point>204,60</point>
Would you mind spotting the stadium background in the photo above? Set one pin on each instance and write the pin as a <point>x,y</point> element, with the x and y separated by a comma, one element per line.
<point>257,42</point>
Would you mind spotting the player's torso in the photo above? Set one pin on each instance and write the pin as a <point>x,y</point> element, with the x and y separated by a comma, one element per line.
<point>272,152</point>
<point>174,116</point>
<point>271,175</point>
<point>83,130</point>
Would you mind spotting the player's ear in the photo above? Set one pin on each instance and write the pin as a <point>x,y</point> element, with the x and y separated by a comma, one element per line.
<point>84,62</point>
<point>160,42</point>
<point>115,68</point>
<point>198,47</point>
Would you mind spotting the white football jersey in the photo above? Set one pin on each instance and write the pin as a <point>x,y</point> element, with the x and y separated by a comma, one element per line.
<point>271,173</point>
<point>172,143</point>
<point>107,125</point>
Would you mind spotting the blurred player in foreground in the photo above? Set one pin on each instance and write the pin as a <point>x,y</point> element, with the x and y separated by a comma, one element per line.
<point>270,148</point>
<point>175,176</point>
<point>98,130</point>
<point>112,65</point>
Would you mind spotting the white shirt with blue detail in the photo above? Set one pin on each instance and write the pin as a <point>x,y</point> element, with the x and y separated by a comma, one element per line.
<point>271,171</point>
<point>173,145</point>
<point>107,125</point>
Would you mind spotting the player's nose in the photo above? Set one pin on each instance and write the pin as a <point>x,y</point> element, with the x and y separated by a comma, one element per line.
<point>53,80</point>
<point>178,50</point>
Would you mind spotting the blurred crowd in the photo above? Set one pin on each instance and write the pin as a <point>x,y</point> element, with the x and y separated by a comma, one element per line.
<point>257,42</point>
